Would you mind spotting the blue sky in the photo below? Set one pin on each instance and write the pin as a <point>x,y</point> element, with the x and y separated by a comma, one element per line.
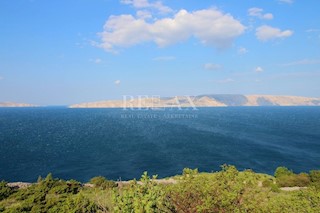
<point>64,52</point>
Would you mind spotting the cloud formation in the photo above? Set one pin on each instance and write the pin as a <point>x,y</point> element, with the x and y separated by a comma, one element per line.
<point>210,26</point>
<point>144,14</point>
<point>96,61</point>
<point>286,1</point>
<point>164,58</point>
<point>303,62</point>
<point>312,30</point>
<point>242,50</point>
<point>258,12</point>
<point>225,81</point>
<point>258,69</point>
<point>117,82</point>
<point>266,33</point>
<point>145,4</point>
<point>211,66</point>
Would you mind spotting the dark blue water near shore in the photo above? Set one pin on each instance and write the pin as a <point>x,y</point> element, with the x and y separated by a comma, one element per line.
<point>82,143</point>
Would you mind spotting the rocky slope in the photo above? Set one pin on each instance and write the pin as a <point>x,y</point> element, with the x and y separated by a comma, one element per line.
<point>205,101</point>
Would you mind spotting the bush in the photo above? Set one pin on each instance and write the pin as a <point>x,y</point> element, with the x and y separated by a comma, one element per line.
<point>315,176</point>
<point>189,172</point>
<point>282,171</point>
<point>79,204</point>
<point>267,183</point>
<point>226,191</point>
<point>146,196</point>
<point>5,190</point>
<point>103,183</point>
<point>301,180</point>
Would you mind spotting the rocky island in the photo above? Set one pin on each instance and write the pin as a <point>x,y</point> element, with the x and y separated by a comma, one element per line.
<point>219,100</point>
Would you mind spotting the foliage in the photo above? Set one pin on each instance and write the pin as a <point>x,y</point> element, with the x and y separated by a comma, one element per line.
<point>146,196</point>
<point>50,195</point>
<point>282,171</point>
<point>299,201</point>
<point>315,177</point>
<point>189,172</point>
<point>225,191</point>
<point>103,183</point>
<point>301,180</point>
<point>286,178</point>
<point>5,191</point>
<point>228,190</point>
<point>269,183</point>
<point>79,204</point>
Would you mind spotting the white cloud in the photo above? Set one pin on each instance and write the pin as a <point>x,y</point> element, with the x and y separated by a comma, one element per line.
<point>117,82</point>
<point>211,66</point>
<point>303,62</point>
<point>258,12</point>
<point>145,4</point>
<point>1,78</point>
<point>255,11</point>
<point>312,30</point>
<point>210,26</point>
<point>242,50</point>
<point>225,81</point>
<point>96,60</point>
<point>265,33</point>
<point>144,14</point>
<point>164,58</point>
<point>286,1</point>
<point>258,69</point>
<point>267,16</point>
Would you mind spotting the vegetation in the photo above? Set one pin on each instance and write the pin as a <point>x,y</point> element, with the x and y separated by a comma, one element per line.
<point>103,183</point>
<point>5,190</point>
<point>286,178</point>
<point>228,190</point>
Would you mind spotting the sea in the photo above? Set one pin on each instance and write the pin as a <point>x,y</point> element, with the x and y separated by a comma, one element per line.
<point>121,144</point>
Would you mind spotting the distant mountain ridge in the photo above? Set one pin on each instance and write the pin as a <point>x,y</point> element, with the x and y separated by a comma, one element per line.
<point>12,104</point>
<point>218,100</point>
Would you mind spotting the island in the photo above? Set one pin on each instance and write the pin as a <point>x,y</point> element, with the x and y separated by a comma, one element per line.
<point>13,104</point>
<point>218,100</point>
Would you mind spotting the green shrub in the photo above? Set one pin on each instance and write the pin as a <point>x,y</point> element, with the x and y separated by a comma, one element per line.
<point>103,183</point>
<point>189,172</point>
<point>267,183</point>
<point>282,171</point>
<point>5,190</point>
<point>301,180</point>
<point>315,176</point>
<point>79,204</point>
<point>226,191</point>
<point>146,197</point>
<point>274,188</point>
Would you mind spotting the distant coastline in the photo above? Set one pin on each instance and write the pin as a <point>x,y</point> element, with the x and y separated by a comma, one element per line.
<point>215,100</point>
<point>218,100</point>
<point>13,104</point>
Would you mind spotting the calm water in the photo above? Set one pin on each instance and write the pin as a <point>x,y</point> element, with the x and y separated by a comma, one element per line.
<point>82,143</point>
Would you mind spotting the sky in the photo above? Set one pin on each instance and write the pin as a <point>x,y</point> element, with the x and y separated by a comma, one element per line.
<point>65,52</point>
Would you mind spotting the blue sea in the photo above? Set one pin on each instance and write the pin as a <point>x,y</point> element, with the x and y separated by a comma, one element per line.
<point>83,143</point>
